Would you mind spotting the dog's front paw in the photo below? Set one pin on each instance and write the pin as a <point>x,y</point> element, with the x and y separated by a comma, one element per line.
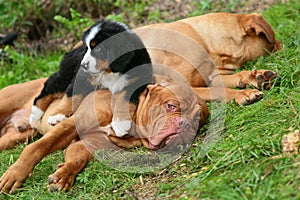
<point>260,79</point>
<point>35,116</point>
<point>264,79</point>
<point>121,128</point>
<point>246,97</point>
<point>13,178</point>
<point>53,120</point>
<point>62,179</point>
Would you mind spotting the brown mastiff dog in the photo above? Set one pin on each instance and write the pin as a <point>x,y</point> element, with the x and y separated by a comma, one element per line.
<point>207,49</point>
<point>167,115</point>
<point>201,51</point>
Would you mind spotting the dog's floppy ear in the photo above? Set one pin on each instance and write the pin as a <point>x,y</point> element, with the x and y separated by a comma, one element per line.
<point>204,112</point>
<point>255,24</point>
<point>80,43</point>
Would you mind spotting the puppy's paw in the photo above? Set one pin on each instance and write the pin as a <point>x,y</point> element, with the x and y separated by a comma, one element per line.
<point>53,120</point>
<point>121,128</point>
<point>35,116</point>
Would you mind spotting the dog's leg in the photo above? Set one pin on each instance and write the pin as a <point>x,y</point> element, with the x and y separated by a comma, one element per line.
<point>241,97</point>
<point>65,109</point>
<point>57,83</point>
<point>121,122</point>
<point>17,130</point>
<point>256,78</point>
<point>59,137</point>
<point>53,89</point>
<point>76,91</point>
<point>124,103</point>
<point>12,137</point>
<point>77,156</point>
<point>18,97</point>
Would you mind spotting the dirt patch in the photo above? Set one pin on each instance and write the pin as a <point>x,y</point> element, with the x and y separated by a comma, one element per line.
<point>176,9</point>
<point>245,6</point>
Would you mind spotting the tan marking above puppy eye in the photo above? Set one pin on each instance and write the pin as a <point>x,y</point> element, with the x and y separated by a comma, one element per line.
<point>92,43</point>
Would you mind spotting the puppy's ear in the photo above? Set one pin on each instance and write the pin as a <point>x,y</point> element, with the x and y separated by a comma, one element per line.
<point>78,45</point>
<point>255,24</point>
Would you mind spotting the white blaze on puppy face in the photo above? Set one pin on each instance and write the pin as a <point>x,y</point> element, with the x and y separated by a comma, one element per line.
<point>88,60</point>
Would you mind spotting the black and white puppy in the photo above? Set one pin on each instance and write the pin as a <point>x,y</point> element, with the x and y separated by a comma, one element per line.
<point>111,56</point>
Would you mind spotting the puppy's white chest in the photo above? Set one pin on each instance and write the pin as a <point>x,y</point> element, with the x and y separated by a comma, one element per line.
<point>115,82</point>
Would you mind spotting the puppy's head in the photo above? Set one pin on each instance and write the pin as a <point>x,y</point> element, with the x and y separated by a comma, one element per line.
<point>109,47</point>
<point>169,115</point>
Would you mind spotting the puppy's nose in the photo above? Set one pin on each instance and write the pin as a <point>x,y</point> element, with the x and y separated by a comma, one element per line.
<point>85,65</point>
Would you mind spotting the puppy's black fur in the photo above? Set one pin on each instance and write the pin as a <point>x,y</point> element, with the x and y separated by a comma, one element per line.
<point>70,71</point>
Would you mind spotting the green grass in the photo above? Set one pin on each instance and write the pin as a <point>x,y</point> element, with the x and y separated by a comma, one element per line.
<point>245,162</point>
<point>17,67</point>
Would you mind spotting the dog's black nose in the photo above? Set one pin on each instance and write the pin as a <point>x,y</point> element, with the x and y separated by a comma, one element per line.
<point>85,66</point>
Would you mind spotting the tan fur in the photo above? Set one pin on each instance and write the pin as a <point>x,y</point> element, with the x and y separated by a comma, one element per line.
<point>67,105</point>
<point>233,39</point>
<point>205,50</point>
<point>15,107</point>
<point>46,101</point>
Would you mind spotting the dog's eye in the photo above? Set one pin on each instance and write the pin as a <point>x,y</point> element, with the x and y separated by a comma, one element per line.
<point>92,44</point>
<point>172,107</point>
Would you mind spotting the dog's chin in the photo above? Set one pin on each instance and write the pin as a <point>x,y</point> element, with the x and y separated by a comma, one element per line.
<point>173,141</point>
<point>180,140</point>
<point>171,135</point>
<point>166,141</point>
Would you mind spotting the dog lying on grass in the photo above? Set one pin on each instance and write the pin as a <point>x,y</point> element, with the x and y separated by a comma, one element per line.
<point>167,115</point>
<point>198,52</point>
<point>206,50</point>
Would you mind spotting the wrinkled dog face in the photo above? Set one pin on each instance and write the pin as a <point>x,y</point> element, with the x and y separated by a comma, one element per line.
<point>168,116</point>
